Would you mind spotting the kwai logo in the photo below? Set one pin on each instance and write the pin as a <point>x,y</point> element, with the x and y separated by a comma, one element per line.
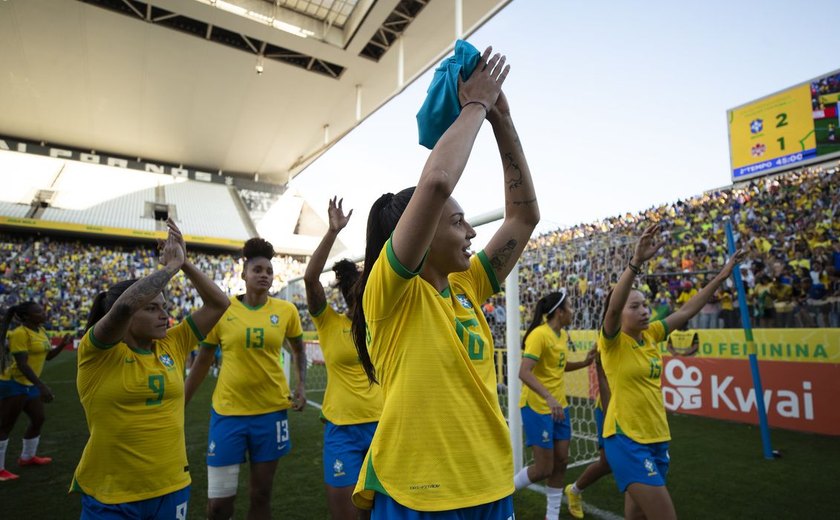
<point>686,394</point>
<point>787,403</point>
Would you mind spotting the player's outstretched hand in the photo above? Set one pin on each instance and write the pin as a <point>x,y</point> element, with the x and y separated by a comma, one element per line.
<point>485,83</point>
<point>649,243</point>
<point>338,220</point>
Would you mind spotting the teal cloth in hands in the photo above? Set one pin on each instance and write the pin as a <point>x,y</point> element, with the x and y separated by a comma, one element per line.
<point>441,107</point>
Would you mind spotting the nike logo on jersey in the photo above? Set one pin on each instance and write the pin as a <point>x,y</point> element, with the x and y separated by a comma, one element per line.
<point>129,360</point>
<point>230,318</point>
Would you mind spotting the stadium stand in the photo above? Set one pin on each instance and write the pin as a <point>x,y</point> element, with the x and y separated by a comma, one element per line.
<point>793,277</point>
<point>11,209</point>
<point>789,222</point>
<point>66,274</point>
<point>206,209</point>
<point>125,211</point>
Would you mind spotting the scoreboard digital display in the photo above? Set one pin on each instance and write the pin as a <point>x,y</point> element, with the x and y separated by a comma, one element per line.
<point>794,127</point>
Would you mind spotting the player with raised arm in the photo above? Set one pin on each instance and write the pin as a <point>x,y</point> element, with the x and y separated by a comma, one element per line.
<point>251,399</point>
<point>352,405</point>
<point>131,384</point>
<point>543,403</point>
<point>636,433</point>
<point>442,448</point>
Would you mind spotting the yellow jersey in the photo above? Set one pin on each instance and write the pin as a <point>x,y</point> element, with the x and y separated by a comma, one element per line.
<point>550,351</point>
<point>33,343</point>
<point>682,341</point>
<point>350,398</point>
<point>634,372</point>
<point>442,441</point>
<point>134,406</point>
<point>252,381</point>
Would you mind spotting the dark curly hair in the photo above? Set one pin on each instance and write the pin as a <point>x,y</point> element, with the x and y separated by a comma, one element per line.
<point>257,248</point>
<point>346,274</point>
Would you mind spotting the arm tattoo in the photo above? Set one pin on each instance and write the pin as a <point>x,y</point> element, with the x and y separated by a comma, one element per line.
<point>523,202</point>
<point>501,256</point>
<point>515,179</point>
<point>146,288</point>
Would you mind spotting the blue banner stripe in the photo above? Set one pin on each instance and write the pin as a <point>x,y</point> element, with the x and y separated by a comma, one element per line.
<point>785,160</point>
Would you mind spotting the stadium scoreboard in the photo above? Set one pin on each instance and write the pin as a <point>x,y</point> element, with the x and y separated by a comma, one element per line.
<point>791,128</point>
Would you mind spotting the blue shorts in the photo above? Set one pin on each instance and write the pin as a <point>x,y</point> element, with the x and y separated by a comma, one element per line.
<point>345,448</point>
<point>264,437</point>
<point>542,431</point>
<point>12,388</point>
<point>172,506</point>
<point>386,508</point>
<point>633,462</point>
<point>599,427</point>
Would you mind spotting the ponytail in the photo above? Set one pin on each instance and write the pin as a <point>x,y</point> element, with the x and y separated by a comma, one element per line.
<point>546,307</point>
<point>97,310</point>
<point>346,275</point>
<point>103,302</point>
<point>382,220</point>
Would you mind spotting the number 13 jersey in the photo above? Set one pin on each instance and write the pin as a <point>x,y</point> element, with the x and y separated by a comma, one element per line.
<point>252,381</point>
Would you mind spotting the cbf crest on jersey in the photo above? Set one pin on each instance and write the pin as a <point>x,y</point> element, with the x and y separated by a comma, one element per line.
<point>465,302</point>
<point>275,319</point>
<point>167,360</point>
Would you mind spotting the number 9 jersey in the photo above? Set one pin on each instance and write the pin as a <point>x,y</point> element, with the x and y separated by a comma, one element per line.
<point>134,406</point>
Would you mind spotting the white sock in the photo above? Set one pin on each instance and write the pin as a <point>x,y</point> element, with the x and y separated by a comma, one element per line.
<point>576,490</point>
<point>521,480</point>
<point>3,446</point>
<point>554,501</point>
<point>30,446</point>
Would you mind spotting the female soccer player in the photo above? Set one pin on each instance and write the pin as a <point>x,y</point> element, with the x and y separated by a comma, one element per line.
<point>636,430</point>
<point>600,467</point>
<point>442,447</point>
<point>252,396</point>
<point>545,411</point>
<point>131,384</point>
<point>21,389</point>
<point>352,405</point>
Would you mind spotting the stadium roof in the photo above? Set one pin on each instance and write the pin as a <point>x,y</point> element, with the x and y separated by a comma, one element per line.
<point>176,80</point>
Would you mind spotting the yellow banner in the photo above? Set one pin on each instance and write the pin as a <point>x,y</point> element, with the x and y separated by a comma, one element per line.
<point>802,345</point>
<point>830,99</point>
<point>113,231</point>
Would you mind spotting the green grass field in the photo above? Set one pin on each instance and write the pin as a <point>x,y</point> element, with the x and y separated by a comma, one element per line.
<point>717,470</point>
<point>821,128</point>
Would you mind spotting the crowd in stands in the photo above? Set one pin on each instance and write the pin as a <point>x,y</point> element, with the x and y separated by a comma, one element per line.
<point>65,274</point>
<point>789,222</point>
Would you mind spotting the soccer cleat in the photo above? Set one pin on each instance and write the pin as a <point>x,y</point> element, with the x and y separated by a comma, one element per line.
<point>35,461</point>
<point>575,502</point>
<point>7,475</point>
